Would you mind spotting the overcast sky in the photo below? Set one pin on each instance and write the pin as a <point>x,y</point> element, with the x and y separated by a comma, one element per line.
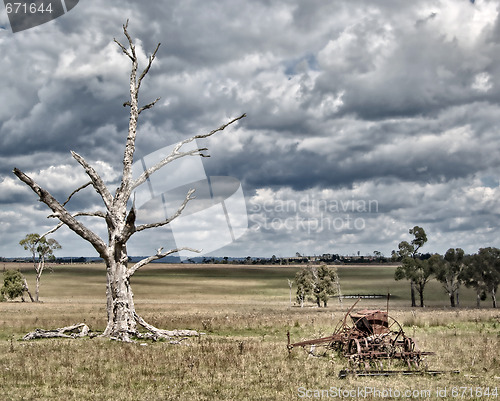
<point>364,118</point>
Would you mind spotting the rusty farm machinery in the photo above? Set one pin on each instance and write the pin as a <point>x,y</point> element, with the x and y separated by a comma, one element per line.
<point>370,340</point>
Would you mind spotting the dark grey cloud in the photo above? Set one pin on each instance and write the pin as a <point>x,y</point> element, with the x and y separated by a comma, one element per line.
<point>392,102</point>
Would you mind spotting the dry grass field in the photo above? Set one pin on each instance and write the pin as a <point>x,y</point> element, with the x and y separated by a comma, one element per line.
<point>245,314</point>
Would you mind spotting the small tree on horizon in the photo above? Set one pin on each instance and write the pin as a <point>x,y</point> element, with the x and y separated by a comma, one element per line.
<point>304,281</point>
<point>482,272</point>
<point>448,270</point>
<point>41,249</point>
<point>413,268</point>
<point>472,277</point>
<point>317,283</point>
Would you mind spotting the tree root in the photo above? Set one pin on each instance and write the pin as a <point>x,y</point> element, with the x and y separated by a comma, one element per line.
<point>156,334</point>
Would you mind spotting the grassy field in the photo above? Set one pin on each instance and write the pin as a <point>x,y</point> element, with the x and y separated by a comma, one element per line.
<point>245,313</point>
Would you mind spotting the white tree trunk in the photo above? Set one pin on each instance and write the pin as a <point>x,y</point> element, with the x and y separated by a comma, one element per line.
<point>122,323</point>
<point>39,271</point>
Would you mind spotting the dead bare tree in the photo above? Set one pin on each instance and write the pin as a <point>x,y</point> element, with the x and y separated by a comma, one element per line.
<point>123,321</point>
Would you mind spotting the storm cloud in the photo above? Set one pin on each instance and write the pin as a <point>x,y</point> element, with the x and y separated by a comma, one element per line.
<point>391,103</point>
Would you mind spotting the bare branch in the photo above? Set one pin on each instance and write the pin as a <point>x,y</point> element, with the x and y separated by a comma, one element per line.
<point>131,43</point>
<point>130,227</point>
<point>176,154</point>
<point>26,288</point>
<point>148,106</point>
<point>159,254</point>
<point>63,214</point>
<point>54,229</point>
<point>91,214</point>
<point>97,181</point>
<point>173,217</point>
<point>124,49</point>
<point>146,70</point>
<point>123,192</point>
<point>76,330</point>
<point>221,128</point>
<point>75,191</point>
<point>170,158</point>
<point>132,55</point>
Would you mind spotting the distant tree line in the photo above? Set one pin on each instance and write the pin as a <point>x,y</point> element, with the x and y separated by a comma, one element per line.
<point>480,271</point>
<point>298,259</point>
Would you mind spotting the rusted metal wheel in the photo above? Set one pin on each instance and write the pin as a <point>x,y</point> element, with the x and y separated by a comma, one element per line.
<point>354,347</point>
<point>411,345</point>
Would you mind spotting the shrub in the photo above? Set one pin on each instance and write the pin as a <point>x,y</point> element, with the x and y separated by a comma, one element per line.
<point>13,284</point>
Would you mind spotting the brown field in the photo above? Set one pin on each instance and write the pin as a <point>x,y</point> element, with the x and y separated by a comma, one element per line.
<point>245,313</point>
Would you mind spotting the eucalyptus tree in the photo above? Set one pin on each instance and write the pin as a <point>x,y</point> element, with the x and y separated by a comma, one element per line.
<point>317,283</point>
<point>119,217</point>
<point>482,272</point>
<point>490,258</point>
<point>472,277</point>
<point>304,281</point>
<point>41,249</point>
<point>412,267</point>
<point>448,271</point>
<point>421,275</point>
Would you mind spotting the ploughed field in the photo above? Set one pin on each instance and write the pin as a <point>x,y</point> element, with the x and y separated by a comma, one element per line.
<point>245,313</point>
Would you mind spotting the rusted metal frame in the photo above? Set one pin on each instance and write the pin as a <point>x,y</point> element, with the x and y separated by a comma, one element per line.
<point>344,373</point>
<point>385,355</point>
<point>316,341</point>
<point>369,343</point>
